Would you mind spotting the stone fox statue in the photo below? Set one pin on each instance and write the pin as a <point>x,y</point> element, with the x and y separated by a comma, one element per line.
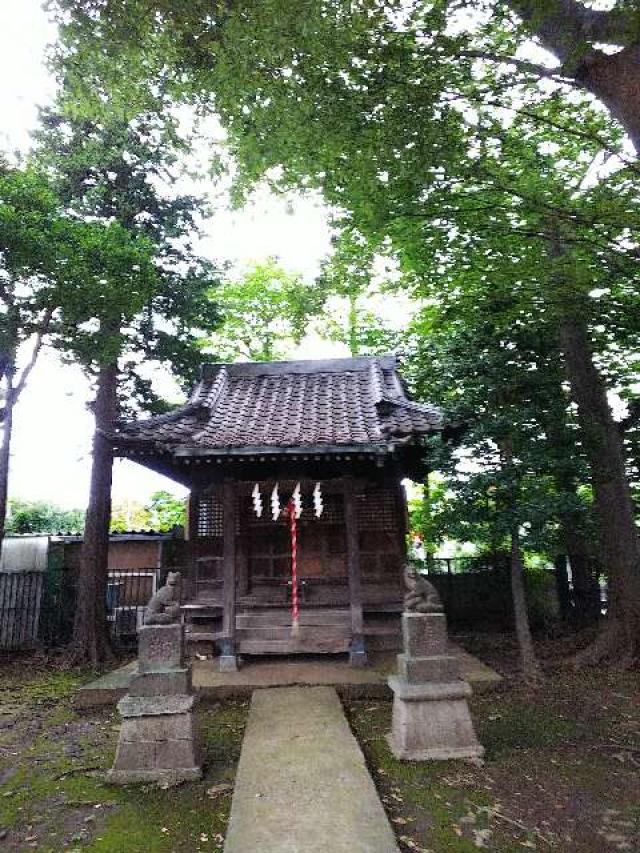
<point>164,607</point>
<point>422,596</point>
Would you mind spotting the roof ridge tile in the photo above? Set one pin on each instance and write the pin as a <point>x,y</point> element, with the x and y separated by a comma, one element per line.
<point>278,408</point>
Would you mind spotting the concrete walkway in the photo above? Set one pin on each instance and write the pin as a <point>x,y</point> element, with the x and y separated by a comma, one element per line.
<point>302,784</point>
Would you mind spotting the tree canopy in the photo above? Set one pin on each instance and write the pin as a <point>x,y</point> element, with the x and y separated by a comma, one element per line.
<point>264,313</point>
<point>502,186</point>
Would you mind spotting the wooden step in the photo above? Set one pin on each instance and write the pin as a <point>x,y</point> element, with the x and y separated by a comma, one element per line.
<point>294,646</point>
<point>311,633</point>
<point>256,619</point>
<point>203,636</point>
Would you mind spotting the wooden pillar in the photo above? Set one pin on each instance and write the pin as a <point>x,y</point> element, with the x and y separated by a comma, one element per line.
<point>242,554</point>
<point>191,536</point>
<point>357,653</point>
<point>402,513</point>
<point>228,662</point>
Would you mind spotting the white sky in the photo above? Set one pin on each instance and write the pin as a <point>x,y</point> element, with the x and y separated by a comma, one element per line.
<point>52,433</point>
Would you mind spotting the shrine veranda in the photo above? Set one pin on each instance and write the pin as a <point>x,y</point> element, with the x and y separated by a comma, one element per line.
<point>327,441</point>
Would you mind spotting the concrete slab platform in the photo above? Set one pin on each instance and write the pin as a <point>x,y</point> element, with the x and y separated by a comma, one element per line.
<point>302,785</point>
<point>368,682</point>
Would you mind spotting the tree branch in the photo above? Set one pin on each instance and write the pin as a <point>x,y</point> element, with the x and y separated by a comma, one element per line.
<point>524,65</point>
<point>568,28</point>
<point>35,352</point>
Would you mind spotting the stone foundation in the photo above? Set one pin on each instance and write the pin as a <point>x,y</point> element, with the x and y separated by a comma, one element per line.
<point>158,741</point>
<point>431,719</point>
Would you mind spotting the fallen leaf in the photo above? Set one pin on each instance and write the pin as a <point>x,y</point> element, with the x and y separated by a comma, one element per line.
<point>481,837</point>
<point>220,788</point>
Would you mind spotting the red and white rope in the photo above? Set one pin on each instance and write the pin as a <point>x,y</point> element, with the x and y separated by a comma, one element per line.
<point>295,608</point>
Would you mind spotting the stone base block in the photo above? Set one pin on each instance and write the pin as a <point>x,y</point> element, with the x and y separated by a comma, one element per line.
<point>162,777</point>
<point>439,668</point>
<point>160,748</point>
<point>424,634</point>
<point>432,722</point>
<point>471,754</point>
<point>152,706</point>
<point>160,647</point>
<point>169,683</point>
<point>157,729</point>
<point>228,663</point>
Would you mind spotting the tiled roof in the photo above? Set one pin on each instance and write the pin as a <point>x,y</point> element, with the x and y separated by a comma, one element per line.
<point>289,404</point>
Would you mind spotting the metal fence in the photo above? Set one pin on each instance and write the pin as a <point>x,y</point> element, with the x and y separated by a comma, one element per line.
<point>128,592</point>
<point>37,608</point>
<point>20,596</point>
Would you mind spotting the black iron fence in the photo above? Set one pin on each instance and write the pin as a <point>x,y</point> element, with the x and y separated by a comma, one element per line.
<point>20,597</point>
<point>37,608</point>
<point>476,591</point>
<point>128,592</point>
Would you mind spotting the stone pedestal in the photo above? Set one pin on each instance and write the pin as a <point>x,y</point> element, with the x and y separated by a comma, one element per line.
<point>357,652</point>
<point>431,717</point>
<point>158,740</point>
<point>228,660</point>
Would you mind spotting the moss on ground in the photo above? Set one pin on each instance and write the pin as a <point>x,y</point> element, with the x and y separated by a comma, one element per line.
<point>53,796</point>
<point>560,772</point>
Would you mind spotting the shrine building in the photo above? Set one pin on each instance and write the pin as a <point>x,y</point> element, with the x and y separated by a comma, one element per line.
<point>297,517</point>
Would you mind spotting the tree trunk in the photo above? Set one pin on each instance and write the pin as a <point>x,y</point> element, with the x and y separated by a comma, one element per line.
<point>586,589</point>
<point>531,671</point>
<point>13,390</point>
<point>90,639</point>
<point>612,498</point>
<point>615,80</point>
<point>562,586</point>
<point>569,29</point>
<point>5,452</point>
<point>352,325</point>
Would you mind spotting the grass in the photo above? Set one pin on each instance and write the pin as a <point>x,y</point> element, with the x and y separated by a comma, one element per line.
<point>561,773</point>
<point>553,778</point>
<point>54,797</point>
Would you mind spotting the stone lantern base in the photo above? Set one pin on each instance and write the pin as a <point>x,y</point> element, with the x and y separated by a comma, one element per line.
<point>432,722</point>
<point>431,719</point>
<point>158,742</point>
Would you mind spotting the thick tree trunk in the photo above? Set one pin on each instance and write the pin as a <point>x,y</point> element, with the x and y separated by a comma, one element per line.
<point>531,671</point>
<point>5,453</point>
<point>612,498</point>
<point>615,80</point>
<point>586,590</point>
<point>562,586</point>
<point>90,639</point>
<point>569,29</point>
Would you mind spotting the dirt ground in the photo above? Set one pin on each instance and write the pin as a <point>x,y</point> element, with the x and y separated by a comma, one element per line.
<point>52,762</point>
<point>562,769</point>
